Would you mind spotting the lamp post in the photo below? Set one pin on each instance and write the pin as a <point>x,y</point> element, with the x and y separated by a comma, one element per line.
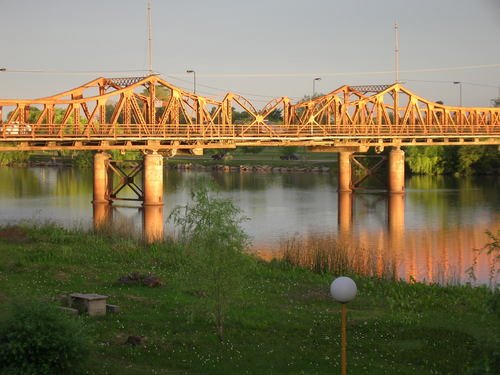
<point>460,86</point>
<point>314,86</point>
<point>194,79</point>
<point>343,290</point>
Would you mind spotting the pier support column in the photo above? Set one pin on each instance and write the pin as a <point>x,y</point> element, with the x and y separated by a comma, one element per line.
<point>101,178</point>
<point>396,173</point>
<point>153,179</point>
<point>345,174</point>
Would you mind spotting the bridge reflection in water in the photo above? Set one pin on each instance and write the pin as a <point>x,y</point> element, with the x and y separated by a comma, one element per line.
<point>431,255</point>
<point>152,221</point>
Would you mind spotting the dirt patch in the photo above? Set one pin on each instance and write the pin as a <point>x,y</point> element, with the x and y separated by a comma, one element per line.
<point>14,235</point>
<point>135,278</point>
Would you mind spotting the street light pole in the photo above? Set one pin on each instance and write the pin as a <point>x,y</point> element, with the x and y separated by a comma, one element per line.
<point>314,86</point>
<point>194,79</point>
<point>343,290</point>
<point>460,88</point>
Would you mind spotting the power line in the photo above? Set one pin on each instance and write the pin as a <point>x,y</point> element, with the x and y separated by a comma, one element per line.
<point>71,72</point>
<point>451,82</point>
<point>223,91</point>
<point>331,74</point>
<point>263,75</point>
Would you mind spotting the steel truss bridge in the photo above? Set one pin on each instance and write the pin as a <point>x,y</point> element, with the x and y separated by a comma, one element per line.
<point>150,114</point>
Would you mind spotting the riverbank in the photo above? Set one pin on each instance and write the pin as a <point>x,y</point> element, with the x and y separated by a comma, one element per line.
<point>237,166</point>
<point>236,160</point>
<point>281,321</point>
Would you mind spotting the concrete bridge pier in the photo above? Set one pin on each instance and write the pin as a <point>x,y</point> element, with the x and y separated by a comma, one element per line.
<point>152,193</point>
<point>103,182</point>
<point>396,175</point>
<point>153,198</point>
<point>345,173</point>
<point>153,180</point>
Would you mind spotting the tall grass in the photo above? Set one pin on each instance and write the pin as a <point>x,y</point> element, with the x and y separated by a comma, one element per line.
<point>327,254</point>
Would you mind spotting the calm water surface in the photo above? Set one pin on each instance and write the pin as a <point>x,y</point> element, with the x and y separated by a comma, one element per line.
<point>427,235</point>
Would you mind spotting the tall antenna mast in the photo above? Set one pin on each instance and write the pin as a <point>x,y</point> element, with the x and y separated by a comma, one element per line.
<point>396,50</point>
<point>150,41</point>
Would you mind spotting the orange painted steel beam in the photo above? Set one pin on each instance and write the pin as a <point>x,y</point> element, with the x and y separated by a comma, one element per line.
<point>150,113</point>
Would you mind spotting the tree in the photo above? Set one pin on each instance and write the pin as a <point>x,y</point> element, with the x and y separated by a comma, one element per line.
<point>210,231</point>
<point>426,160</point>
<point>240,117</point>
<point>275,116</point>
<point>478,159</point>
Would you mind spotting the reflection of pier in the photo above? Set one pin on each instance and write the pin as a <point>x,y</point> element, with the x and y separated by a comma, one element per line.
<point>431,255</point>
<point>395,214</point>
<point>395,229</point>
<point>151,192</point>
<point>345,203</point>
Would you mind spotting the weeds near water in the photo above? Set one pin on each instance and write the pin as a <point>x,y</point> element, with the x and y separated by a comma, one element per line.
<point>326,254</point>
<point>492,250</point>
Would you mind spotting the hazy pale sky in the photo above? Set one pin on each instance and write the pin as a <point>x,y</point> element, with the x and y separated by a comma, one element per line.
<point>260,48</point>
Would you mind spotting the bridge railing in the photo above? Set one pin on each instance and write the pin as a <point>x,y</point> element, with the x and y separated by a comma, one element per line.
<point>25,131</point>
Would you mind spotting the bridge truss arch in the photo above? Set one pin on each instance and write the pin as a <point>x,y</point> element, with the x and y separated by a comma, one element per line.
<point>149,113</point>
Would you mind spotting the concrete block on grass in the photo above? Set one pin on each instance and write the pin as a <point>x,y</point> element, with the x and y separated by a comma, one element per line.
<point>92,304</point>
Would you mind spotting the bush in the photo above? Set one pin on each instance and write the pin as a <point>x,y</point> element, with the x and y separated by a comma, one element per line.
<point>39,339</point>
<point>210,229</point>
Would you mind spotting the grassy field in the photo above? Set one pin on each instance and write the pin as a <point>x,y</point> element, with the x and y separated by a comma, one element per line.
<point>282,321</point>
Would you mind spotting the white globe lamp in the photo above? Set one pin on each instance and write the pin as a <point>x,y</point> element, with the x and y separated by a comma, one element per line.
<point>343,289</point>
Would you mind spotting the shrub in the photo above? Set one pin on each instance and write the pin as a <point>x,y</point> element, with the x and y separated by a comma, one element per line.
<point>210,229</point>
<point>39,339</point>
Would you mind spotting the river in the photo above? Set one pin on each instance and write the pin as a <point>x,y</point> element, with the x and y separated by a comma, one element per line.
<point>427,235</point>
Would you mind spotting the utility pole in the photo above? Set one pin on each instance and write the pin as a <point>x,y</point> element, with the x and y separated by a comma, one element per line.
<point>396,50</point>
<point>150,41</point>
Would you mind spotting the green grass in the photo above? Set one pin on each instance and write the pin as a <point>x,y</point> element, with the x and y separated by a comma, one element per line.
<point>282,322</point>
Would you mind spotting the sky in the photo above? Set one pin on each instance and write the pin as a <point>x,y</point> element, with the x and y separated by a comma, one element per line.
<point>259,48</point>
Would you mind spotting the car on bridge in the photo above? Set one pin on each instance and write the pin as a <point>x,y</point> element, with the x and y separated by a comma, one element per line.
<point>15,129</point>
